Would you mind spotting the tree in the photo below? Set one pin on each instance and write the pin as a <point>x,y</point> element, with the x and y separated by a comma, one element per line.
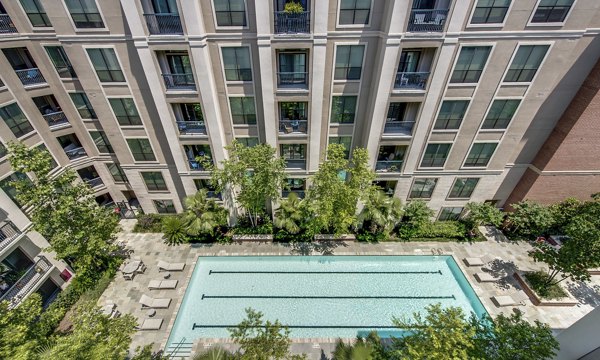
<point>64,211</point>
<point>203,215</point>
<point>483,214</point>
<point>290,214</point>
<point>262,340</point>
<point>530,219</point>
<point>417,214</point>
<point>17,328</point>
<point>174,230</point>
<point>216,353</point>
<point>256,173</point>
<point>361,350</point>
<point>380,213</point>
<point>564,211</point>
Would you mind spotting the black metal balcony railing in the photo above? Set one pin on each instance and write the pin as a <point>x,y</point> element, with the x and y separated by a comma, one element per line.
<point>427,20</point>
<point>56,118</point>
<point>75,153</point>
<point>214,195</point>
<point>292,23</point>
<point>191,127</point>
<point>295,164</point>
<point>180,81</point>
<point>196,165</point>
<point>65,72</point>
<point>164,24</point>
<point>30,76</point>
<point>94,182</point>
<point>6,25</point>
<point>27,282</point>
<point>411,80</point>
<point>8,233</point>
<point>388,165</point>
<point>292,79</point>
<point>402,128</point>
<point>293,126</point>
<point>286,193</point>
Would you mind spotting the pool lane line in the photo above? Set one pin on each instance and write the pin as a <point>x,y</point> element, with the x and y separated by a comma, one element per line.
<point>195,326</point>
<point>204,296</point>
<point>210,272</point>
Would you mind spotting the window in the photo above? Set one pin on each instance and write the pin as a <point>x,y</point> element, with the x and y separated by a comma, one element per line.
<point>490,11</point>
<point>243,110</point>
<point>552,11</point>
<point>294,155</point>
<point>82,103</point>
<point>293,110</point>
<point>500,114</point>
<point>106,64</point>
<point>141,149</point>
<point>526,63</point>
<point>355,12</point>
<point>15,120</point>
<point>3,150</point>
<point>85,14</point>
<point>154,181</point>
<point>451,114</point>
<point>117,172</point>
<point>343,109</point>
<point>101,141</point>
<point>435,155</point>
<point>422,188</point>
<point>211,191</point>
<point>396,112</point>
<point>61,61</point>
<point>480,154</point>
<point>450,213</point>
<point>248,142</point>
<point>348,62</point>
<point>36,13</point>
<point>344,140</point>
<point>470,64</point>
<point>125,111</point>
<point>9,189</point>
<point>42,147</point>
<point>165,206</point>
<point>463,188</point>
<point>293,68</point>
<point>236,61</point>
<point>230,12</point>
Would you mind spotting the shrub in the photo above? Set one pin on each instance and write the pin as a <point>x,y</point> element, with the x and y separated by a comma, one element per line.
<point>244,227</point>
<point>367,236</point>
<point>149,223</point>
<point>284,236</point>
<point>293,8</point>
<point>175,230</point>
<point>483,214</point>
<point>436,230</point>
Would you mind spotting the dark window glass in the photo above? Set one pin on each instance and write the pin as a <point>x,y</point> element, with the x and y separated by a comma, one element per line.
<point>422,188</point>
<point>165,206</point>
<point>526,63</point>
<point>354,12</point>
<point>348,62</point>
<point>343,109</point>
<point>141,149</point>
<point>435,155</point>
<point>480,154</point>
<point>101,141</point>
<point>470,64</point>
<point>106,65</point>
<point>117,172</point>
<point>451,114</point>
<point>500,114</point>
<point>60,61</point>
<point>15,120</point>
<point>490,11</point>
<point>450,213</point>
<point>154,181</point>
<point>236,61</point>
<point>85,13</point>
<point>125,111</point>
<point>463,188</point>
<point>230,12</point>
<point>243,110</point>
<point>36,13</point>
<point>82,103</point>
<point>552,11</point>
<point>344,140</point>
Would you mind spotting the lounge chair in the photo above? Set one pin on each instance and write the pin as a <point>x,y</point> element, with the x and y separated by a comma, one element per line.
<point>152,303</point>
<point>507,300</point>
<point>162,284</point>
<point>151,324</point>
<point>165,266</point>
<point>473,261</point>
<point>485,277</point>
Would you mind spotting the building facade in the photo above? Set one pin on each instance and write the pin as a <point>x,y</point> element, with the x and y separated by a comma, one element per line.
<point>453,99</point>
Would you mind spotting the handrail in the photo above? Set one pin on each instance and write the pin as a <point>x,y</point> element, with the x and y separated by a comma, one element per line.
<point>22,287</point>
<point>166,23</point>
<point>293,126</point>
<point>427,20</point>
<point>180,81</point>
<point>6,25</point>
<point>30,76</point>
<point>411,80</point>
<point>191,127</point>
<point>8,232</point>
<point>76,153</point>
<point>56,118</point>
<point>398,127</point>
<point>292,23</point>
<point>292,78</point>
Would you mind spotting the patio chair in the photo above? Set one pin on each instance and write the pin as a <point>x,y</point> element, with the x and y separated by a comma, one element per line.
<point>162,284</point>
<point>484,277</point>
<point>151,324</point>
<point>510,300</point>
<point>419,19</point>
<point>165,266</point>
<point>152,303</point>
<point>472,261</point>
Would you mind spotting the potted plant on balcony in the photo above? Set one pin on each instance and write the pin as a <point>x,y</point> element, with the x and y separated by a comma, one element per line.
<point>293,7</point>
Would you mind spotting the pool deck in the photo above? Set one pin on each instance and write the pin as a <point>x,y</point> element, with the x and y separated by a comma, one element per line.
<point>503,258</point>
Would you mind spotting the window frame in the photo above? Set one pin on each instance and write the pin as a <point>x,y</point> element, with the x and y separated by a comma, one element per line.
<point>449,120</point>
<point>87,102</point>
<point>224,69</point>
<point>155,202</point>
<point>420,197</point>
<point>453,215</point>
<point>244,115</point>
<point>246,140</point>
<point>347,67</point>
<point>121,173</point>
<point>514,55</point>
<point>471,24</point>
<point>461,191</point>
<point>84,29</point>
<point>133,154</point>
<point>353,25</point>
<point>102,49</point>
<point>155,185</point>
<point>128,117</point>
<point>65,59</point>
<point>107,146</point>
<point>348,148</point>
<point>343,114</point>
<point>19,134</point>
<point>464,165</point>
<point>230,27</point>
<point>487,113</point>
<point>537,4</point>
<point>491,47</point>
<point>433,158</point>
<point>41,13</point>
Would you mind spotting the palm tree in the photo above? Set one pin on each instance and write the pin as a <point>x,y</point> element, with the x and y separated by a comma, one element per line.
<point>289,215</point>
<point>361,350</point>
<point>380,213</point>
<point>216,353</point>
<point>203,215</point>
<point>174,229</point>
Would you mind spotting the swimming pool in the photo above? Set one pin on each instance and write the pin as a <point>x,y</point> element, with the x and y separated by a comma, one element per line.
<point>318,296</point>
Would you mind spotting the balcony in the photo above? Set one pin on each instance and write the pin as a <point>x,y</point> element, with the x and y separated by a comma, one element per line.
<point>179,81</point>
<point>292,23</point>
<point>196,165</point>
<point>31,76</point>
<point>56,118</point>
<point>295,164</point>
<point>389,165</point>
<point>286,193</point>
<point>6,25</point>
<point>427,20</point>
<point>191,127</point>
<point>292,79</point>
<point>65,71</point>
<point>411,80</point>
<point>398,128</point>
<point>8,234</point>
<point>94,182</point>
<point>28,282</point>
<point>293,126</point>
<point>75,153</point>
<point>164,24</point>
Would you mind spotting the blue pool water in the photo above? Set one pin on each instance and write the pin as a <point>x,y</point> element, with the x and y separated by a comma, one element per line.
<point>318,296</point>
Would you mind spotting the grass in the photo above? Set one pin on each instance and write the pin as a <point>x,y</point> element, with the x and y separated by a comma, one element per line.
<point>537,282</point>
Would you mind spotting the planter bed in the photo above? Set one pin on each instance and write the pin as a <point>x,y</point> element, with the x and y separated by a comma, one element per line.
<point>253,237</point>
<point>569,300</point>
<point>332,237</point>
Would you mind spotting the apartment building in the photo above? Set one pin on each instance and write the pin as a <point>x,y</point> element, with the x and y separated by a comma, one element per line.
<point>453,99</point>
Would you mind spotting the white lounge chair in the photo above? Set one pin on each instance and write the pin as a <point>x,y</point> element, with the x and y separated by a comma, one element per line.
<point>419,19</point>
<point>507,300</point>
<point>165,266</point>
<point>152,303</point>
<point>151,324</point>
<point>485,277</point>
<point>162,284</point>
<point>473,261</point>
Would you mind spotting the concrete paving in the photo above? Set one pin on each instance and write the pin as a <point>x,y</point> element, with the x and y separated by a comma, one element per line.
<point>502,258</point>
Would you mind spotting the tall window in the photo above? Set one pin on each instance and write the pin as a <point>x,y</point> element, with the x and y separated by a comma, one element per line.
<point>435,155</point>
<point>82,103</point>
<point>36,13</point>
<point>125,111</point>
<point>141,149</point>
<point>470,64</point>
<point>106,65</point>
<point>344,140</point>
<point>480,154</point>
<point>243,110</point>
<point>422,188</point>
<point>3,150</point>
<point>348,62</point>
<point>526,63</point>
<point>236,61</point>
<point>60,61</point>
<point>450,213</point>
<point>248,141</point>
<point>230,12</point>
<point>396,112</point>
<point>500,114</point>
<point>490,11</point>
<point>85,14</point>
<point>117,172</point>
<point>463,188</point>
<point>552,11</point>
<point>355,12</point>
<point>101,142</point>
<point>343,109</point>
<point>154,181</point>
<point>451,114</point>
<point>10,190</point>
<point>294,155</point>
<point>164,206</point>
<point>15,120</point>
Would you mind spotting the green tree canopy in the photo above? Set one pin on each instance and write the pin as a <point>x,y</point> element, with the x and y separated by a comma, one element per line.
<point>290,214</point>
<point>483,214</point>
<point>203,215</point>
<point>530,219</point>
<point>381,213</point>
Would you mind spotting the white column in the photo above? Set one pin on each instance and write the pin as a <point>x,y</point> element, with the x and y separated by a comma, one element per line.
<point>458,16</point>
<point>134,18</point>
<point>400,11</point>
